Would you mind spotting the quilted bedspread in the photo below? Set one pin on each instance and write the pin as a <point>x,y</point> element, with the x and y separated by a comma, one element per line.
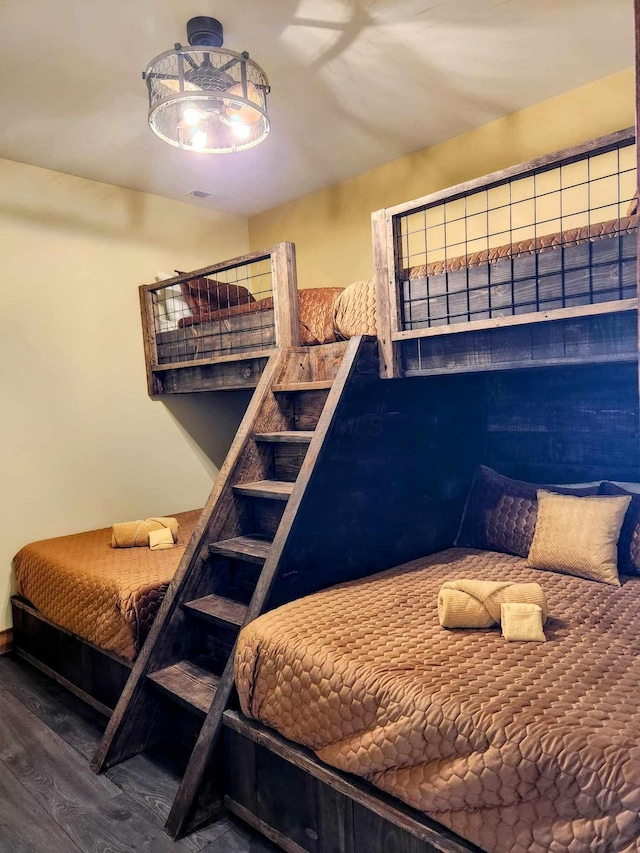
<point>530,246</point>
<point>514,746</point>
<point>106,595</point>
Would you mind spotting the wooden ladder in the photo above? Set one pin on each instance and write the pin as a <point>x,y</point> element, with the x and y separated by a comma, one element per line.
<point>229,568</point>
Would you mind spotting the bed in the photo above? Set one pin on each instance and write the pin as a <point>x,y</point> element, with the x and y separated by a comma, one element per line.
<point>512,746</point>
<point>103,595</point>
<point>515,747</point>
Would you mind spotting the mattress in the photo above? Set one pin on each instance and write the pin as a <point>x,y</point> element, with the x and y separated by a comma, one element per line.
<point>514,746</point>
<point>315,313</point>
<point>106,595</point>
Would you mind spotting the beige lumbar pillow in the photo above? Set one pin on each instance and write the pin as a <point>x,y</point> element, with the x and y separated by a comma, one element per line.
<point>578,535</point>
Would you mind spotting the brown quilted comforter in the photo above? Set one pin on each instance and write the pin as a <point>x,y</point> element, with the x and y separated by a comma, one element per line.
<point>514,746</point>
<point>531,245</point>
<point>106,595</point>
<point>315,313</point>
<point>355,312</point>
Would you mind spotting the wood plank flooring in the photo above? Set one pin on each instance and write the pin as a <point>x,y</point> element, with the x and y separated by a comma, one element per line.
<point>51,803</point>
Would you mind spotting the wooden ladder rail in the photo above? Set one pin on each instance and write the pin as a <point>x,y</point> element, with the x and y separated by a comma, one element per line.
<point>187,814</point>
<point>136,722</point>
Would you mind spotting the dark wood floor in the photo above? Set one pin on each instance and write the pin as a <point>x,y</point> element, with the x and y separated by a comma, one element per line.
<point>49,800</point>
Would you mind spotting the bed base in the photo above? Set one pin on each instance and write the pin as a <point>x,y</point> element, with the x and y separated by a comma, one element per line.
<point>94,675</point>
<point>305,806</point>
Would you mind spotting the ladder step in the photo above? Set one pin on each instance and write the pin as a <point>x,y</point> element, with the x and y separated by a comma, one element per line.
<point>286,437</point>
<point>278,490</point>
<point>317,385</point>
<point>251,549</point>
<point>188,684</point>
<point>215,608</point>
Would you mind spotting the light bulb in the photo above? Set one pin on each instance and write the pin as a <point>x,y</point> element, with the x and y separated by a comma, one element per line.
<point>242,131</point>
<point>199,140</point>
<point>191,115</point>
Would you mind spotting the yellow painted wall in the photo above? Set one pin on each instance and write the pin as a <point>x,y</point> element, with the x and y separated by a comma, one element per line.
<point>82,444</point>
<point>331,227</point>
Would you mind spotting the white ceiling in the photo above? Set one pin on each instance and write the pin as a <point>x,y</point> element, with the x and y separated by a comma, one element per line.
<point>355,83</point>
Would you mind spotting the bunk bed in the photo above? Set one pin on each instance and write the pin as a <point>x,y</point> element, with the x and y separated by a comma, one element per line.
<point>534,267</point>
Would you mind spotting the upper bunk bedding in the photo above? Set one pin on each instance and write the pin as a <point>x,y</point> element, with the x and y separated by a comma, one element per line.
<point>514,746</point>
<point>315,312</point>
<point>106,595</point>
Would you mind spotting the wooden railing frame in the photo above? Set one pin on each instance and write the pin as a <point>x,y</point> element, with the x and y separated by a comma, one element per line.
<point>284,288</point>
<point>386,250</point>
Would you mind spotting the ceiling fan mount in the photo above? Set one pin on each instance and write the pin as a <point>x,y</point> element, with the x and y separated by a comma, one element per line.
<point>205,32</point>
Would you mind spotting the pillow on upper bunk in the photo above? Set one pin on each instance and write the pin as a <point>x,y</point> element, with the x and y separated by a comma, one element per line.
<point>204,295</point>
<point>578,535</point>
<point>500,513</point>
<point>629,542</point>
<point>355,310</point>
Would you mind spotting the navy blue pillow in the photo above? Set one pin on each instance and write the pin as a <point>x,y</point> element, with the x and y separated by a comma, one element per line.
<point>629,542</point>
<point>500,513</point>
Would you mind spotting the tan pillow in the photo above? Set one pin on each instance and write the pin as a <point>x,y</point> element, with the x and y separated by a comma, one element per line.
<point>578,535</point>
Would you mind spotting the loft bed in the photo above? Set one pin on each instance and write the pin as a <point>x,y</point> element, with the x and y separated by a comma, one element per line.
<point>532,266</point>
<point>216,327</point>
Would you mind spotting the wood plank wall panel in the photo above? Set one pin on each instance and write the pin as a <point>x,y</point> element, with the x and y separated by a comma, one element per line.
<point>563,424</point>
<point>392,484</point>
<point>582,339</point>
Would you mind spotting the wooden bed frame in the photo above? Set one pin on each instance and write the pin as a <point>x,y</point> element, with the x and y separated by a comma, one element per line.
<point>95,675</point>
<point>279,787</point>
<point>305,806</point>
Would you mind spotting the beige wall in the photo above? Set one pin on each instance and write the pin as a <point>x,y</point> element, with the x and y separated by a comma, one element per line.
<point>331,227</point>
<point>82,444</point>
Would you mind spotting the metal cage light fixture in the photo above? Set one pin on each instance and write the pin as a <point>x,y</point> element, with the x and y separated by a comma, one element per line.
<point>206,98</point>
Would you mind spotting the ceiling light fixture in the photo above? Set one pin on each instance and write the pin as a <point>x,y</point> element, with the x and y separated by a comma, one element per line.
<point>205,98</point>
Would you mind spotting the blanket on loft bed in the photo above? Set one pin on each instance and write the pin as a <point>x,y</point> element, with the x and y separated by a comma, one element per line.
<point>315,309</point>
<point>106,595</point>
<point>531,246</point>
<point>516,747</point>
